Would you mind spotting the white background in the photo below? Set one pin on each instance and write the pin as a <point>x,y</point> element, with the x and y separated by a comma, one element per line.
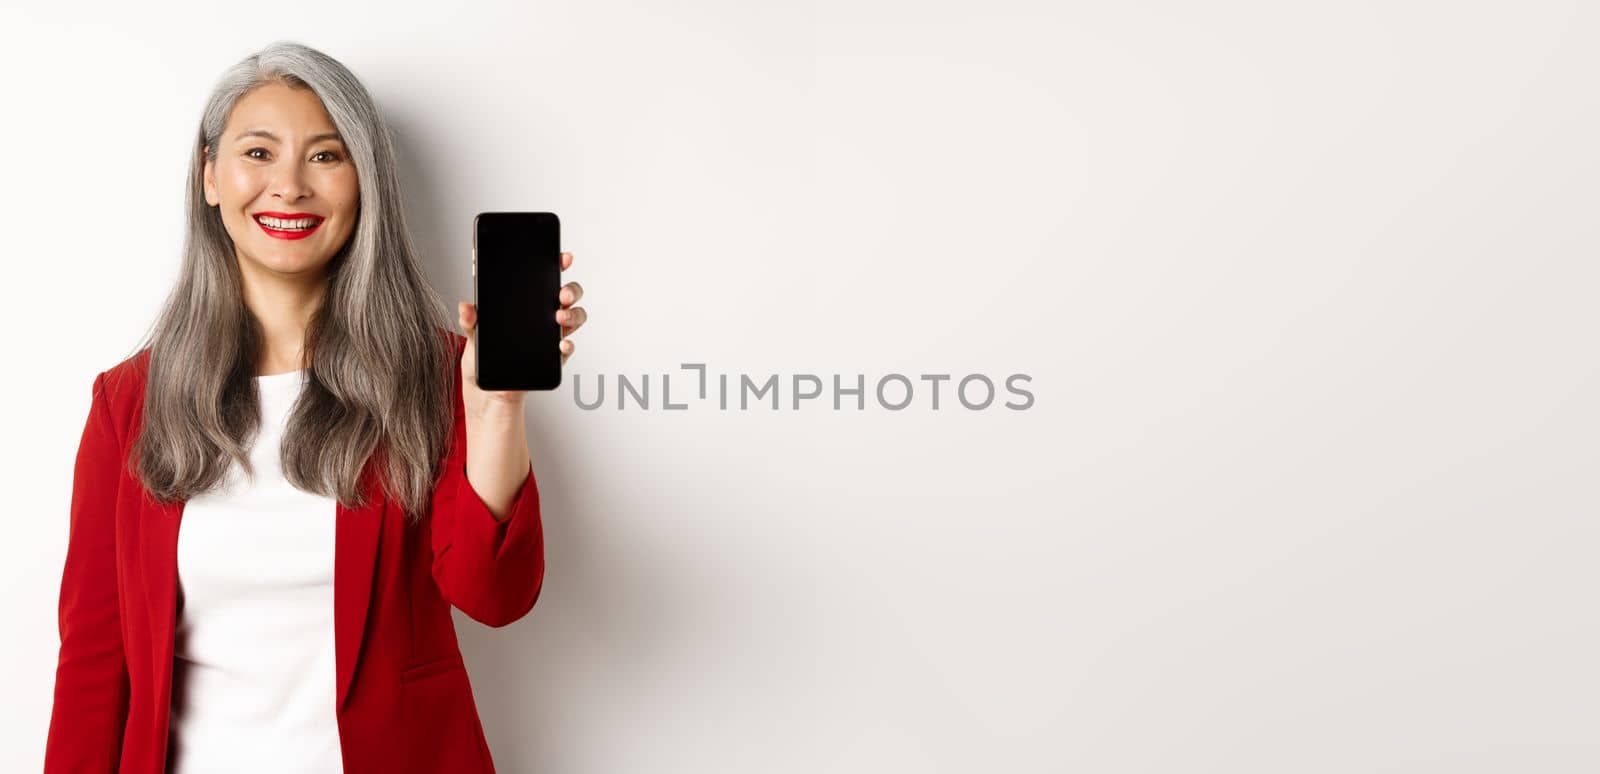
<point>1306,291</point>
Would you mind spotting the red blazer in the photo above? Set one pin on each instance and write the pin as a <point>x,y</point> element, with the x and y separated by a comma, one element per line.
<point>404,701</point>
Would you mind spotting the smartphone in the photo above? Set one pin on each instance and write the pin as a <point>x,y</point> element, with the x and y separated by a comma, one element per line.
<point>516,286</point>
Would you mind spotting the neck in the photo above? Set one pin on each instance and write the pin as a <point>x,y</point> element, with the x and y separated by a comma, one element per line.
<point>285,305</point>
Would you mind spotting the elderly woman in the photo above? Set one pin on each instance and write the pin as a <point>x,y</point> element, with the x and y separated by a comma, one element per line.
<point>277,499</point>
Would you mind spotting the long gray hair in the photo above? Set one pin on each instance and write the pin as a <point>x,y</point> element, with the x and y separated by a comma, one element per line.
<point>380,375</point>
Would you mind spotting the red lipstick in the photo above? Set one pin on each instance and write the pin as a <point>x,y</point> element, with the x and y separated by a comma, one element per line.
<point>278,233</point>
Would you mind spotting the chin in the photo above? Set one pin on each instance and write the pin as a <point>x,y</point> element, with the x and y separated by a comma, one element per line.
<point>293,265</point>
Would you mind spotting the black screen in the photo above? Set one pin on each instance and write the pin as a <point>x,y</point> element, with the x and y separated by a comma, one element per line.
<point>516,285</point>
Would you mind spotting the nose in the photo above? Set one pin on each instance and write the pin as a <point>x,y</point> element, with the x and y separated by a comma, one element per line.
<point>290,183</point>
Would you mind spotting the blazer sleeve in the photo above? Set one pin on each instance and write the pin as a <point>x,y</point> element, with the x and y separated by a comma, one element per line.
<point>490,569</point>
<point>91,689</point>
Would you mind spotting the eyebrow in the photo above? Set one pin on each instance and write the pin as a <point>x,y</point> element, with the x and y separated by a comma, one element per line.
<point>269,135</point>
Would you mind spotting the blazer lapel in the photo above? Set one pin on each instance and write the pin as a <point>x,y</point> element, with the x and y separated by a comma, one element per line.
<point>157,524</point>
<point>356,536</point>
<point>355,556</point>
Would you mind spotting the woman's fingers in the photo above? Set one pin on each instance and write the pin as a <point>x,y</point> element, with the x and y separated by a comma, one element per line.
<point>570,293</point>
<point>570,319</point>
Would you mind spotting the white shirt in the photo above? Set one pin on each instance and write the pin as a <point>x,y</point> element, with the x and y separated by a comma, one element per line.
<point>254,685</point>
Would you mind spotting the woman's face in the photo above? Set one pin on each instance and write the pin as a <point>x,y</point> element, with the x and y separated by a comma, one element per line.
<point>281,155</point>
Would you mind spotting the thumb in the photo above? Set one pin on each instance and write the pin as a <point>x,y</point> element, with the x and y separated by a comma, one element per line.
<point>467,318</point>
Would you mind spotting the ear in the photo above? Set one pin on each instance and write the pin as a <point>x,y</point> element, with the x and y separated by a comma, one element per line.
<point>207,182</point>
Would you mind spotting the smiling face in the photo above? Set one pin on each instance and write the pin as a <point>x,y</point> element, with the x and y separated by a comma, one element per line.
<point>280,158</point>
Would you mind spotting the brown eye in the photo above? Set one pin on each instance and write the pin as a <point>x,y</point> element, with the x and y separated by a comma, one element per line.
<point>253,150</point>
<point>333,156</point>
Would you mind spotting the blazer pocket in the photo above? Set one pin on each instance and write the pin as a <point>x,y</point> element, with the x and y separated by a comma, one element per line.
<point>432,667</point>
<point>439,728</point>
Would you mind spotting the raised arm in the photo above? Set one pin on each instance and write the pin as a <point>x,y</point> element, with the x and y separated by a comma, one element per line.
<point>489,568</point>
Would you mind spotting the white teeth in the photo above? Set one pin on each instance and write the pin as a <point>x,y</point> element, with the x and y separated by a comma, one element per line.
<point>287,225</point>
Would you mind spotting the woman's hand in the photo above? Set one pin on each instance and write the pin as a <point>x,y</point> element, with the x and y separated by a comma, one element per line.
<point>478,401</point>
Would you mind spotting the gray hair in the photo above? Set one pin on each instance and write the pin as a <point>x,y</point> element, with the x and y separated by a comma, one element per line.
<point>381,355</point>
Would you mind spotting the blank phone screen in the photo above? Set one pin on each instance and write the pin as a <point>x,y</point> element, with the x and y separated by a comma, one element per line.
<point>516,287</point>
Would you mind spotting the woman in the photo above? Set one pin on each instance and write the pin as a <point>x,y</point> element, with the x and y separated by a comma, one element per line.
<point>302,408</point>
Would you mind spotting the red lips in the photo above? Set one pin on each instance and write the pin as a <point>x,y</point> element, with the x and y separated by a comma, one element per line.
<point>282,234</point>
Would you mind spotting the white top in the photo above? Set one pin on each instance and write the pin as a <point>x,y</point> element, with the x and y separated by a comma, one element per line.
<point>253,684</point>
